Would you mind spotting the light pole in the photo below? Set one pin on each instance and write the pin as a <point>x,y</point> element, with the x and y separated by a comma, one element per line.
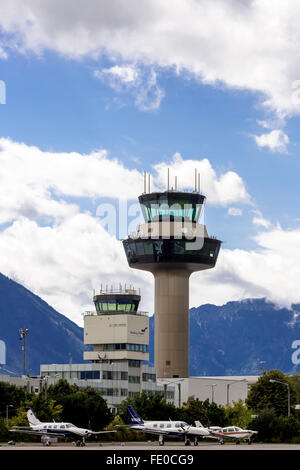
<point>212,391</point>
<point>8,406</point>
<point>178,382</point>
<point>23,333</point>
<point>232,383</point>
<point>289,394</point>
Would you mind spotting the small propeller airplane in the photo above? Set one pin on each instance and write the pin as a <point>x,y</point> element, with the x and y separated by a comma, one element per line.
<point>171,429</point>
<point>58,430</point>
<point>230,432</point>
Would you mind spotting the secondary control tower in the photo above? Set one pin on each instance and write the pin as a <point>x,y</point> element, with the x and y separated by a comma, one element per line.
<point>172,244</point>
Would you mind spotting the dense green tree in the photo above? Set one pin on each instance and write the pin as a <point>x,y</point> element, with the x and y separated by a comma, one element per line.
<point>84,407</point>
<point>150,407</point>
<point>12,395</point>
<point>238,414</point>
<point>209,414</point>
<point>264,394</point>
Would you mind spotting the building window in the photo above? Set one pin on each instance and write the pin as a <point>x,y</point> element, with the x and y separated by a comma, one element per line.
<point>89,374</point>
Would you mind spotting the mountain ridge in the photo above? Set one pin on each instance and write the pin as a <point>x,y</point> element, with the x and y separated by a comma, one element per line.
<point>231,339</point>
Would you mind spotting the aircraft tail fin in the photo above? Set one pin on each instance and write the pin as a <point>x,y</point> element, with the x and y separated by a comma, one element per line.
<point>198,424</point>
<point>134,416</point>
<point>33,421</point>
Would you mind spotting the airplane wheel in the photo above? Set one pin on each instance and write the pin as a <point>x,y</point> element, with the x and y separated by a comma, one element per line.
<point>195,443</point>
<point>161,443</point>
<point>238,442</point>
<point>187,442</point>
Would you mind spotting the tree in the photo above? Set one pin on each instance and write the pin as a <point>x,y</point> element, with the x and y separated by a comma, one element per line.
<point>149,406</point>
<point>83,406</point>
<point>238,414</point>
<point>12,395</point>
<point>209,414</point>
<point>264,394</point>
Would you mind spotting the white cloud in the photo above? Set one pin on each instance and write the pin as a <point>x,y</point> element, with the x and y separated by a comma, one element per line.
<point>251,45</point>
<point>276,140</point>
<point>142,84</point>
<point>271,271</point>
<point>221,189</point>
<point>259,220</point>
<point>235,211</point>
<point>60,252</point>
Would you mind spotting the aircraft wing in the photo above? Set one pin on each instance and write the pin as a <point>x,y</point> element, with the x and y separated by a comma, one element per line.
<point>101,432</point>
<point>27,430</point>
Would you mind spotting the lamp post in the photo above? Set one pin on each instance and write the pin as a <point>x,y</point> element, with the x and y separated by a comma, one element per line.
<point>289,394</point>
<point>23,333</point>
<point>232,383</point>
<point>8,406</point>
<point>212,391</point>
<point>178,382</point>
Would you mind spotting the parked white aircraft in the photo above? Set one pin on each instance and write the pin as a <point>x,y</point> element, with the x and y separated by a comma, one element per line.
<point>230,432</point>
<point>58,430</point>
<point>172,429</point>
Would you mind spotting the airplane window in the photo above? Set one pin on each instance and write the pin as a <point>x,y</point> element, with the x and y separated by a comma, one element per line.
<point>161,425</point>
<point>168,425</point>
<point>155,425</point>
<point>62,426</point>
<point>231,429</point>
<point>177,425</point>
<point>55,426</point>
<point>45,426</point>
<point>50,427</point>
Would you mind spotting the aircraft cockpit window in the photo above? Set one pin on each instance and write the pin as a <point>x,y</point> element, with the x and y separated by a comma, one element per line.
<point>62,426</point>
<point>177,425</point>
<point>231,429</point>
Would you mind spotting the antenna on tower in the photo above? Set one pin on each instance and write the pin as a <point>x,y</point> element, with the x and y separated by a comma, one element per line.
<point>198,182</point>
<point>175,183</point>
<point>168,179</point>
<point>195,180</point>
<point>149,183</point>
<point>145,174</point>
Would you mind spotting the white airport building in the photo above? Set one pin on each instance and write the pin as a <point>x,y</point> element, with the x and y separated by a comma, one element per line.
<point>119,335</point>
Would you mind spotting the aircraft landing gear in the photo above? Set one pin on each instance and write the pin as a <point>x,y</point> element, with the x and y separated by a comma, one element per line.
<point>195,441</point>
<point>80,443</point>
<point>161,440</point>
<point>187,442</point>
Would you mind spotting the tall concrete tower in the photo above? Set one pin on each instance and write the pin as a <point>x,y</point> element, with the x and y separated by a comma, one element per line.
<point>172,244</point>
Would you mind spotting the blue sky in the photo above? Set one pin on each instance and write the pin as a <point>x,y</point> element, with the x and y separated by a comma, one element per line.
<point>207,95</point>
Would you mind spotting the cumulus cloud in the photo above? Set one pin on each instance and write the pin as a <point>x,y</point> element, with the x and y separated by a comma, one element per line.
<point>276,140</point>
<point>58,250</point>
<point>249,45</point>
<point>141,84</point>
<point>222,189</point>
<point>235,211</point>
<point>271,271</point>
<point>259,220</point>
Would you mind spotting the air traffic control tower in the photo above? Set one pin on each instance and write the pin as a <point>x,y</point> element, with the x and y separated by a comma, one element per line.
<point>172,244</point>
